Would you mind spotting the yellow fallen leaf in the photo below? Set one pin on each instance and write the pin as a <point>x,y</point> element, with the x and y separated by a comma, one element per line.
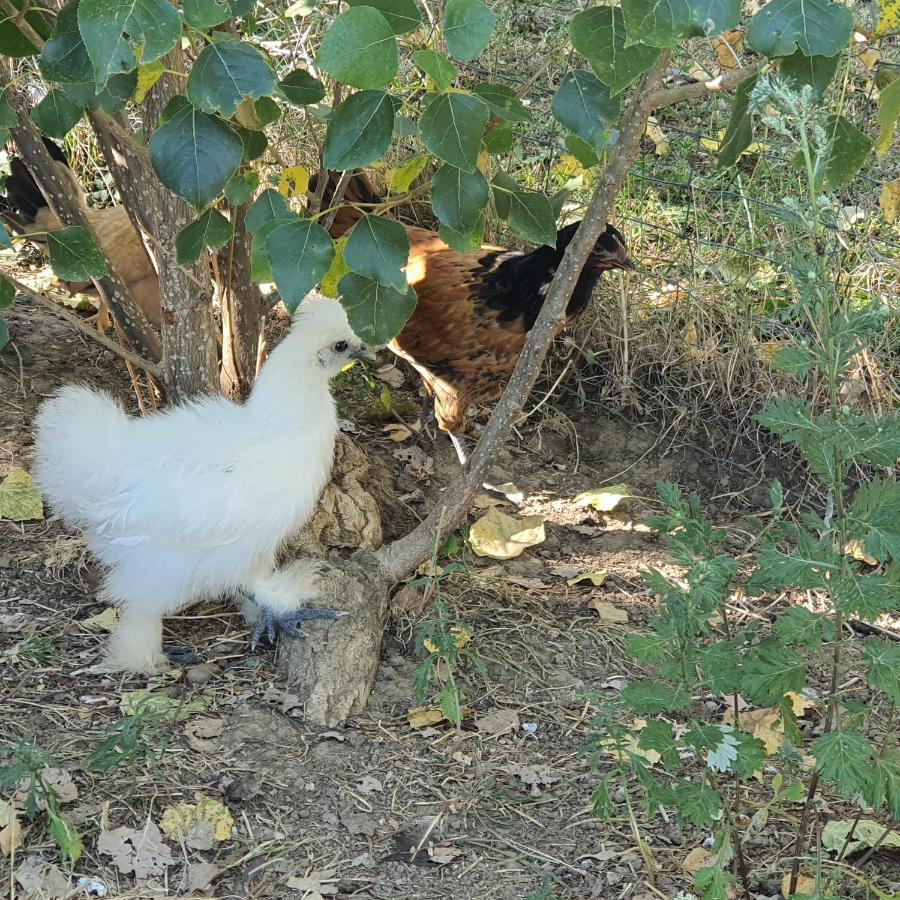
<point>866,833</point>
<point>661,146</point>
<point>888,17</point>
<point>604,499</point>
<point>397,432</point>
<point>294,181</point>
<point>869,57</point>
<point>713,144</point>
<point>461,637</point>
<point>336,271</point>
<point>400,179</point>
<point>890,200</point>
<point>595,578</point>
<point>764,724</point>
<point>697,859</point>
<point>568,166</point>
<point>486,501</point>
<point>148,75</point>
<point>768,349</point>
<point>608,613</point>
<point>245,115</point>
<point>105,621</point>
<point>20,498</point>
<point>179,819</point>
<point>10,837</point>
<point>805,885</point>
<point>619,748</point>
<point>501,536</point>
<point>799,703</point>
<point>143,701</point>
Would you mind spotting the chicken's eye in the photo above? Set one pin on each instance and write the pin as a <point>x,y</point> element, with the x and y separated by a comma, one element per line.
<point>341,347</point>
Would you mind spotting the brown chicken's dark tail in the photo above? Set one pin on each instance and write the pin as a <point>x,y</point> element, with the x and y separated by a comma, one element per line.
<point>360,193</point>
<point>22,197</point>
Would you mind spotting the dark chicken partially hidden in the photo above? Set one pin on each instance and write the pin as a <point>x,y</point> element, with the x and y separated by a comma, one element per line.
<point>475,309</point>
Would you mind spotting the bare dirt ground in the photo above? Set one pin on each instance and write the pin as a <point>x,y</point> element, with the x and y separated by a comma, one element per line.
<point>498,808</point>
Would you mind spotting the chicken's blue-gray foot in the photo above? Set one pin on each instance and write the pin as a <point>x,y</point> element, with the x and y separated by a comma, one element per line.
<point>272,622</point>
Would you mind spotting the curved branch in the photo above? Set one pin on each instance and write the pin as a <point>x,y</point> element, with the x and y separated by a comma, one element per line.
<point>727,81</point>
<point>401,556</point>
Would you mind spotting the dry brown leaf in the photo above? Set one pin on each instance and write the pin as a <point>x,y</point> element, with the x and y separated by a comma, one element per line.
<point>369,785</point>
<point>530,584</point>
<point>608,613</point>
<point>397,432</point>
<point>441,854</point>
<point>202,734</point>
<point>10,837</point>
<point>486,501</point>
<point>200,876</point>
<point>805,885</point>
<point>799,703</point>
<point>182,817</point>
<point>423,716</point>
<point>764,724</point>
<point>595,578</point>
<point>500,722</point>
<point>661,145</point>
<point>697,859</point>
<point>869,58</point>
<point>39,880</point>
<point>138,850</point>
<point>104,621</point>
<point>316,883</point>
<point>890,200</point>
<point>501,536</point>
<point>726,46</point>
<point>619,749</point>
<point>390,374</point>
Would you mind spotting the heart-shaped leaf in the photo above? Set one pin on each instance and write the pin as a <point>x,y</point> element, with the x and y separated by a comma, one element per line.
<point>452,126</point>
<point>212,230</point>
<point>665,23</point>
<point>206,13</point>
<point>403,16</point>
<point>56,115</point>
<point>74,255</point>
<point>502,101</point>
<point>300,88</point>
<point>437,67</point>
<point>269,206</point>
<point>468,25</point>
<point>152,25</point>
<point>379,249</point>
<point>464,241</point>
<point>376,313</point>
<point>531,216</point>
<point>598,34</point>
<point>459,198</point>
<point>300,254</point>
<point>194,154</point>
<point>7,293</point>
<point>817,27</point>
<point>226,73</point>
<point>849,149</point>
<point>800,69</point>
<point>583,104</point>
<point>360,49</point>
<point>359,130</point>
<point>498,138</point>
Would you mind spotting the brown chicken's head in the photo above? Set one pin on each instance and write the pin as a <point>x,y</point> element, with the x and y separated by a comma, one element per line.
<point>610,252</point>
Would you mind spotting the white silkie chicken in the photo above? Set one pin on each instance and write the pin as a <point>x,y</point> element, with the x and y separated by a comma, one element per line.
<point>195,501</point>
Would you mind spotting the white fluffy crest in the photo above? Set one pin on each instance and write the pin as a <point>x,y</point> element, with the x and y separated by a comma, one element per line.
<point>196,500</point>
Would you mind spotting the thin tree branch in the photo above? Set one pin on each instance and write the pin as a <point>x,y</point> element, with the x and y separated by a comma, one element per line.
<point>19,20</point>
<point>401,556</point>
<point>45,300</point>
<point>727,81</point>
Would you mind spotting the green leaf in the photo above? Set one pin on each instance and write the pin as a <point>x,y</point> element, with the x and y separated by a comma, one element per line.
<point>665,23</point>
<point>584,106</point>
<point>817,27</point>
<point>713,883</point>
<point>798,70</point>
<point>336,271</point>
<point>888,113</point>
<point>206,13</point>
<point>502,101</point>
<point>300,254</point>
<point>653,647</point>
<point>794,361</point>
<point>66,836</point>
<point>238,190</point>
<point>267,111</point>
<point>452,126</point>
<point>751,755</point>
<point>849,149</point>
<point>7,293</point>
<point>152,25</point>
<point>56,115</point>
<point>194,154</point>
<point>698,804</point>
<point>212,230</point>
<point>227,72</point>
<point>531,217</point>
<point>468,25</point>
<point>598,34</point>
<point>458,198</point>
<point>739,133</point>
<point>359,130</point>
<point>437,67</point>
<point>253,144</point>
<point>843,758</point>
<point>803,628</point>
<point>582,151</point>
<point>376,313</point>
<point>874,518</point>
<point>868,596</point>
<point>502,188</point>
<point>269,206</point>
<point>300,88</point>
<point>12,42</point>
<point>883,666</point>
<point>771,670</point>
<point>8,117</point>
<point>463,241</point>
<point>703,737</point>
<point>401,178</point>
<point>601,803</point>
<point>74,255</point>
<point>4,334</point>
<point>721,666</point>
<point>260,270</point>
<point>360,49</point>
<point>498,138</point>
<point>883,787</point>
<point>403,16</point>
<point>660,736</point>
<point>379,249</point>
<point>649,697</point>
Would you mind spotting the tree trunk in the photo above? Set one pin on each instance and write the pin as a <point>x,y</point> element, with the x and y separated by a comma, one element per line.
<point>334,671</point>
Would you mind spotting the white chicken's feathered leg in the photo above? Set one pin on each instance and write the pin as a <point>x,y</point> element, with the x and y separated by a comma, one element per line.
<point>274,598</point>
<point>136,644</point>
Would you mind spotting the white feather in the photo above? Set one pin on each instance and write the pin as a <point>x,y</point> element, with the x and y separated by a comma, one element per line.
<point>196,500</point>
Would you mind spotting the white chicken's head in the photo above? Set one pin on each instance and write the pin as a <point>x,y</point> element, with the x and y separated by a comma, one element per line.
<point>324,323</point>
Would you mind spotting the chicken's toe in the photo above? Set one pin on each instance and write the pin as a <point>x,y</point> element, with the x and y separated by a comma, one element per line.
<point>182,656</point>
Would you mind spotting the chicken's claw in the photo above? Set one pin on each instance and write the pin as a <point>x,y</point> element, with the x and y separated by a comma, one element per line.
<point>287,623</point>
<point>182,656</point>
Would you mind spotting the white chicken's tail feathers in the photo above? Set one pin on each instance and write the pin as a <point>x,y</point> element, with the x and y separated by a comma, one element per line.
<point>77,430</point>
